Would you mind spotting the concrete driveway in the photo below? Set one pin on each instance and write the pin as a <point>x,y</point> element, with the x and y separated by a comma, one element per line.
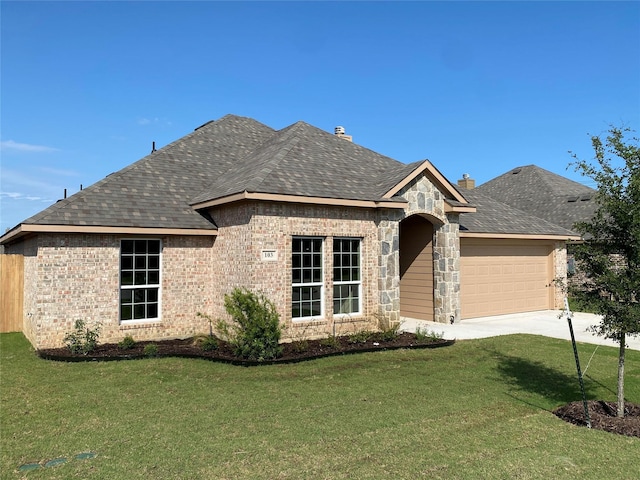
<point>545,323</point>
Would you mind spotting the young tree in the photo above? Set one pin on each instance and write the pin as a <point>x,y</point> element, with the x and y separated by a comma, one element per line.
<point>610,254</point>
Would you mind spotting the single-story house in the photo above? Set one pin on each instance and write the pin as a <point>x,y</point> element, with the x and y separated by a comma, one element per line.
<point>336,235</point>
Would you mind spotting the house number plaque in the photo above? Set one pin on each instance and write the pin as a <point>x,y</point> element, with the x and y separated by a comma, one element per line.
<point>269,255</point>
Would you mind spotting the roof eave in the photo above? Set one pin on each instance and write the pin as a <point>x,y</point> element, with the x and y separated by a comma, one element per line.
<point>441,182</point>
<point>284,198</point>
<point>26,229</point>
<point>522,236</point>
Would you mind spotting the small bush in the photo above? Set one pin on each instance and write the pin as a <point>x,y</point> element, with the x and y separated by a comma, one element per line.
<point>127,343</point>
<point>424,335</point>
<point>207,343</point>
<point>330,342</point>
<point>362,336</point>
<point>300,346</point>
<point>255,331</point>
<point>150,350</point>
<point>388,330</point>
<point>82,339</point>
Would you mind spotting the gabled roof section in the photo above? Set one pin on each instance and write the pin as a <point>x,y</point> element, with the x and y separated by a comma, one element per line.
<point>155,191</point>
<point>543,194</point>
<point>434,175</point>
<point>494,219</point>
<point>304,161</point>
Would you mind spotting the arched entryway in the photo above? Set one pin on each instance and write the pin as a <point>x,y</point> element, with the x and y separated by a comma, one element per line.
<point>416,268</point>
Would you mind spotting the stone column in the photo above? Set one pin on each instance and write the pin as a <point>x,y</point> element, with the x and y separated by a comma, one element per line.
<point>389,266</point>
<point>446,271</point>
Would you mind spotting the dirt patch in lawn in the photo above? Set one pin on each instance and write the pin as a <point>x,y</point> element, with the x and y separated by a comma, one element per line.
<point>292,352</point>
<point>603,416</point>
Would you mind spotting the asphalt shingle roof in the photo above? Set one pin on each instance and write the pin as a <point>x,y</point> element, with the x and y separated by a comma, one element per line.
<point>492,216</point>
<point>231,155</point>
<point>156,190</point>
<point>543,194</point>
<point>304,160</point>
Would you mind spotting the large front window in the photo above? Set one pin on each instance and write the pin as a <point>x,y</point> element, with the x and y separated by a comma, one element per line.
<point>307,281</point>
<point>346,276</point>
<point>139,280</point>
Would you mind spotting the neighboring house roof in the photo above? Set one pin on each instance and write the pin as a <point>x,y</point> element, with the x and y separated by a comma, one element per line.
<point>543,194</point>
<point>227,160</point>
<point>495,218</point>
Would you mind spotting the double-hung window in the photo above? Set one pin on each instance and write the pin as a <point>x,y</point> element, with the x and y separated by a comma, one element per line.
<point>307,278</point>
<point>347,278</point>
<point>139,280</point>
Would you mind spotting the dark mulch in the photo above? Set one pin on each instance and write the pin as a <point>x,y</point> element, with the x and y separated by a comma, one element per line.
<point>603,416</point>
<point>292,352</point>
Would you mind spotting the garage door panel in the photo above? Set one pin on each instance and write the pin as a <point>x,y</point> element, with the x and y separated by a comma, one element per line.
<point>498,278</point>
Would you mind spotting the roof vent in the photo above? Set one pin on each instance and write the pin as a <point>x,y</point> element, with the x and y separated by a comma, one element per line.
<point>573,199</point>
<point>516,171</point>
<point>339,132</point>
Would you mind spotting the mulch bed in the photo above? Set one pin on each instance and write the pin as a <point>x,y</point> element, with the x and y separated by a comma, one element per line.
<point>292,352</point>
<point>603,416</point>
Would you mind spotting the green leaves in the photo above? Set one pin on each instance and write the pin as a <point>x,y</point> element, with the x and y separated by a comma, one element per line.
<point>610,255</point>
<point>255,333</point>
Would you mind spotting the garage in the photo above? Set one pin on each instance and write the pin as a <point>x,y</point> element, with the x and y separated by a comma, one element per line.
<point>502,276</point>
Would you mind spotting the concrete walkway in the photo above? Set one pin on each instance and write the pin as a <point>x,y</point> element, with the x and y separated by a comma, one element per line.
<point>547,323</point>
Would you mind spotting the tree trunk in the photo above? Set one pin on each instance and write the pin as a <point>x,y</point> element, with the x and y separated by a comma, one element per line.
<point>623,344</point>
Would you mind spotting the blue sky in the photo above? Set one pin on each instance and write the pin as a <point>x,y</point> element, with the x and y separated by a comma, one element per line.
<point>476,87</point>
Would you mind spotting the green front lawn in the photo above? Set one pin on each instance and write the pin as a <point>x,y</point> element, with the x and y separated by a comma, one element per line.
<point>478,409</point>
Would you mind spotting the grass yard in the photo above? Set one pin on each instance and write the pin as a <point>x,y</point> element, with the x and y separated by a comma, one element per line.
<point>478,409</point>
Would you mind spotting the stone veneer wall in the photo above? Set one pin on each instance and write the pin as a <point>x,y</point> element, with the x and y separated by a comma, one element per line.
<point>426,200</point>
<point>248,228</point>
<point>559,273</point>
<point>71,277</point>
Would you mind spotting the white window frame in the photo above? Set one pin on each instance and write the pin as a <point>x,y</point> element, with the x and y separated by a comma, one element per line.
<point>302,284</point>
<point>352,282</point>
<point>141,286</point>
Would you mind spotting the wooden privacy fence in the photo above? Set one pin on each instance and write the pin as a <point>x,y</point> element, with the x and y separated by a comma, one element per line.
<point>11,292</point>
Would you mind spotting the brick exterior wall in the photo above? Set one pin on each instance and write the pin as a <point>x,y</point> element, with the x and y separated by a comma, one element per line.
<point>246,229</point>
<point>69,277</point>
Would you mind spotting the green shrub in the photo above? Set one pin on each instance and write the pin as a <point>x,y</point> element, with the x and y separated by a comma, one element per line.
<point>391,334</point>
<point>300,346</point>
<point>424,335</point>
<point>255,331</point>
<point>359,337</point>
<point>150,350</point>
<point>208,343</point>
<point>389,330</point>
<point>127,343</point>
<point>82,339</point>
<point>330,342</point>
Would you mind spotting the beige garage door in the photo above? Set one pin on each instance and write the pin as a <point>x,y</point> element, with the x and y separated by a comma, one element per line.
<point>499,277</point>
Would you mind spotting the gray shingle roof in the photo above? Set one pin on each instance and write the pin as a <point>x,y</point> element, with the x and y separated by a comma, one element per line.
<point>543,194</point>
<point>156,190</point>
<point>304,160</point>
<point>493,217</point>
<point>231,155</point>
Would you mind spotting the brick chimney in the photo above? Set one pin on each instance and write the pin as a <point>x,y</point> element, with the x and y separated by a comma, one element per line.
<point>466,182</point>
<point>339,132</point>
